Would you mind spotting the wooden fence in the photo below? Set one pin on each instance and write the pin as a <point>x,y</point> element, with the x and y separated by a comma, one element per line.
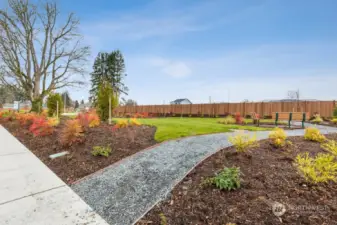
<point>324,108</point>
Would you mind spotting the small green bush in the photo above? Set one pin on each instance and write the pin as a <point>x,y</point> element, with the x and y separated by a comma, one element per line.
<point>101,151</point>
<point>52,100</point>
<point>334,121</point>
<point>228,179</point>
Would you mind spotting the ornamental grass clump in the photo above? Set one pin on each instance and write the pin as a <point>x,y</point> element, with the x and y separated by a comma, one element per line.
<point>227,120</point>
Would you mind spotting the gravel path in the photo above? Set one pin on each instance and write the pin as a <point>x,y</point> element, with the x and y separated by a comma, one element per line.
<point>124,192</point>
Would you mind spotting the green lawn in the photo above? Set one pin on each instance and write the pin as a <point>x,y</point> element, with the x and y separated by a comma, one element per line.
<point>171,128</point>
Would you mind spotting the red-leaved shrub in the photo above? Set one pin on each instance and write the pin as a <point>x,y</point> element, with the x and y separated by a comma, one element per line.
<point>41,127</point>
<point>71,133</point>
<point>25,118</point>
<point>238,118</point>
<point>88,119</point>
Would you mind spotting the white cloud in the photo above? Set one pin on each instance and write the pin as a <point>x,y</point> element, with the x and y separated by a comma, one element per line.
<point>176,69</point>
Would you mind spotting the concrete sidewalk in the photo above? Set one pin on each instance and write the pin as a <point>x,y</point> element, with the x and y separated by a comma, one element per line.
<point>30,193</point>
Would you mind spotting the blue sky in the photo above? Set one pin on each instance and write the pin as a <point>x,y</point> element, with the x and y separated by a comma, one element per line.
<point>249,49</point>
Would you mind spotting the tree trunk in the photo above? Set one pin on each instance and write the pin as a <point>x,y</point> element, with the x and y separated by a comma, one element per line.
<point>37,105</point>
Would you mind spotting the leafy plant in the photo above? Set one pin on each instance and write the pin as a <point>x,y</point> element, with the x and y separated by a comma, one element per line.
<point>101,151</point>
<point>88,119</point>
<point>228,179</point>
<point>335,112</point>
<point>242,142</point>
<point>163,220</point>
<point>278,137</point>
<point>71,133</point>
<point>134,122</point>
<point>330,146</point>
<point>317,119</point>
<point>334,120</point>
<point>322,168</point>
<point>313,134</point>
<point>25,118</point>
<point>238,118</point>
<point>52,101</point>
<point>41,127</point>
<point>105,92</point>
<point>227,120</point>
<point>53,121</point>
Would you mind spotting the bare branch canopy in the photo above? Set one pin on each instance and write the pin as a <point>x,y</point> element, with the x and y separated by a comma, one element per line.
<point>39,53</point>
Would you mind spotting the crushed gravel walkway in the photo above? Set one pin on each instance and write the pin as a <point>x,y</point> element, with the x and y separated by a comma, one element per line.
<point>122,193</point>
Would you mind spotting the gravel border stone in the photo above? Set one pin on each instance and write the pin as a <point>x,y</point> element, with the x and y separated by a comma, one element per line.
<point>123,192</point>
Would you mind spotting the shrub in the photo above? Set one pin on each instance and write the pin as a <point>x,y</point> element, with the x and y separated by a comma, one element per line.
<point>25,118</point>
<point>122,124</point>
<point>101,151</point>
<point>228,179</point>
<point>238,118</point>
<point>317,119</point>
<point>313,134</point>
<point>334,120</point>
<point>227,120</point>
<point>88,119</point>
<point>322,168</point>
<point>53,121</point>
<point>163,220</point>
<point>52,101</point>
<point>71,133</point>
<point>134,122</point>
<point>102,104</point>
<point>41,127</point>
<point>330,146</point>
<point>242,142</point>
<point>278,137</point>
<point>335,112</point>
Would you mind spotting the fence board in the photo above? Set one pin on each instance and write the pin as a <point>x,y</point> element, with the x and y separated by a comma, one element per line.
<point>324,108</point>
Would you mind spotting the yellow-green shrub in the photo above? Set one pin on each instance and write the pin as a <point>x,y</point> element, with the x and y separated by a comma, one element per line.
<point>134,122</point>
<point>317,119</point>
<point>322,168</point>
<point>313,134</point>
<point>227,120</point>
<point>53,121</point>
<point>242,142</point>
<point>278,137</point>
<point>330,146</point>
<point>334,120</point>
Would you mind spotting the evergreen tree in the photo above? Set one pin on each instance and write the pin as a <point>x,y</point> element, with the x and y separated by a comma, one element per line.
<point>67,100</point>
<point>52,105</point>
<point>82,102</point>
<point>76,104</point>
<point>105,91</point>
<point>108,68</point>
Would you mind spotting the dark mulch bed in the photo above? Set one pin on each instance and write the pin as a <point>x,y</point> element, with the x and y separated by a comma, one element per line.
<point>80,162</point>
<point>269,176</point>
<point>326,123</point>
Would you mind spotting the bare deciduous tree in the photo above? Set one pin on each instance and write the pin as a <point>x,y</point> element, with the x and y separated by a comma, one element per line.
<point>38,54</point>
